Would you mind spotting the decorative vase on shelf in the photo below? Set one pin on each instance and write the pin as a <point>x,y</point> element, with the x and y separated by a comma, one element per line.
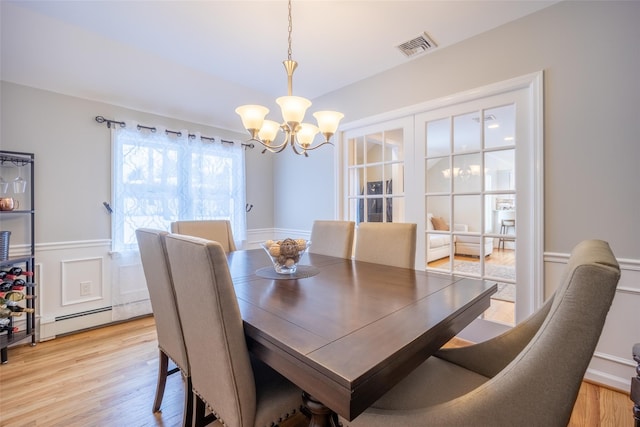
<point>285,254</point>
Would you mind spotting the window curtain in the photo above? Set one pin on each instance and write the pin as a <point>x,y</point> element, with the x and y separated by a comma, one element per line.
<point>161,176</point>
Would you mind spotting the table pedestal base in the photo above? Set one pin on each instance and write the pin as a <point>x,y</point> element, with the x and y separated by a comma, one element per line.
<point>321,416</point>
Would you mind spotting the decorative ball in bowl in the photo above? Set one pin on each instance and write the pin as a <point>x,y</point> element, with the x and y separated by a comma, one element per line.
<point>285,254</point>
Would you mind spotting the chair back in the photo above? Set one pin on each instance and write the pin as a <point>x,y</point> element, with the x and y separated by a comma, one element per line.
<point>153,254</point>
<point>388,243</point>
<point>333,238</point>
<point>543,380</point>
<point>218,230</point>
<point>221,371</point>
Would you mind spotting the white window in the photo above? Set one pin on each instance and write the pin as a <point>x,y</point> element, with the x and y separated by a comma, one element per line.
<point>162,176</point>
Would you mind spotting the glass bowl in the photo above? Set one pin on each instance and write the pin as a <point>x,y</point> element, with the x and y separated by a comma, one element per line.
<point>285,254</point>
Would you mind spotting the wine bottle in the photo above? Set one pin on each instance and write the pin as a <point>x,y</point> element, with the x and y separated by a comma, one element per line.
<point>18,271</point>
<point>12,285</point>
<point>15,296</point>
<point>20,309</point>
<point>6,312</point>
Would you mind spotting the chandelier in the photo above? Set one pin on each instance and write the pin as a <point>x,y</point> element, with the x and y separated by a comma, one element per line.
<point>297,134</point>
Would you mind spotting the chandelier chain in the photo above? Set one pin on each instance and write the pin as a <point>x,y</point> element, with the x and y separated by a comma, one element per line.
<point>290,27</point>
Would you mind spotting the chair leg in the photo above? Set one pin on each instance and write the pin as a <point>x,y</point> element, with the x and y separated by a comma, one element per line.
<point>198,411</point>
<point>163,365</point>
<point>187,416</point>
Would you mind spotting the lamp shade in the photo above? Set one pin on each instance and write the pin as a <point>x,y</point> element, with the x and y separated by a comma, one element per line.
<point>328,121</point>
<point>268,131</point>
<point>252,116</point>
<point>293,108</point>
<point>306,133</point>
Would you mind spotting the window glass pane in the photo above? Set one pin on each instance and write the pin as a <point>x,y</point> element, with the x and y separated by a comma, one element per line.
<point>395,184</point>
<point>393,144</point>
<point>467,173</point>
<point>499,125</point>
<point>500,167</point>
<point>395,208</point>
<point>437,206</point>
<point>356,151</point>
<point>466,132</point>
<point>356,180</point>
<point>438,175</point>
<point>356,208</point>
<point>470,265</point>
<point>466,212</point>
<point>374,179</point>
<point>438,134</point>
<point>374,152</point>
<point>439,250</point>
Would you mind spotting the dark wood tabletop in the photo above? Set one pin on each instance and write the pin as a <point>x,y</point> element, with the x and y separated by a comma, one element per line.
<point>349,333</point>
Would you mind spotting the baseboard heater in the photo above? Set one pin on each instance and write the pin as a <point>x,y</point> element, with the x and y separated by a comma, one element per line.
<point>83,313</point>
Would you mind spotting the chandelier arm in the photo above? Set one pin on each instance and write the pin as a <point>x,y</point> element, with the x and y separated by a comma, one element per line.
<point>273,148</point>
<point>311,148</point>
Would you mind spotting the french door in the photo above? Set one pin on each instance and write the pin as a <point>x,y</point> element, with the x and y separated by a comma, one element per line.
<point>472,181</point>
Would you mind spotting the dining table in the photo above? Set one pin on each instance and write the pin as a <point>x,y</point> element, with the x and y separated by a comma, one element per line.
<point>347,331</point>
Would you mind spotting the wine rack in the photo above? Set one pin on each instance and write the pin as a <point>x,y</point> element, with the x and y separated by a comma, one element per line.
<point>22,217</point>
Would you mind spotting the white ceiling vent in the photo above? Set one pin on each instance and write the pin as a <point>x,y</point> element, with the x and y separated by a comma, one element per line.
<point>416,46</point>
<point>487,118</point>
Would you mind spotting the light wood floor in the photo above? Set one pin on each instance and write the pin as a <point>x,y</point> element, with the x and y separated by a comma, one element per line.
<point>106,377</point>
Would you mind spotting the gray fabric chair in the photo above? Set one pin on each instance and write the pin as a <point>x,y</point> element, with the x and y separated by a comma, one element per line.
<point>529,375</point>
<point>169,329</point>
<point>218,230</point>
<point>635,386</point>
<point>239,390</point>
<point>333,238</point>
<point>388,243</point>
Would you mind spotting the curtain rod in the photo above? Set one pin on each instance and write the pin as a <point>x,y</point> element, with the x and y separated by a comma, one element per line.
<point>109,123</point>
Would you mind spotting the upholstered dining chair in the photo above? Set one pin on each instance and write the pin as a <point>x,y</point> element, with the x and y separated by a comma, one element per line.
<point>238,389</point>
<point>333,238</point>
<point>218,230</point>
<point>529,375</point>
<point>388,243</point>
<point>168,326</point>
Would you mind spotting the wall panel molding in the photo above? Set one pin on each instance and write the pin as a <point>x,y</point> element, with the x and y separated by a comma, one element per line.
<point>81,280</point>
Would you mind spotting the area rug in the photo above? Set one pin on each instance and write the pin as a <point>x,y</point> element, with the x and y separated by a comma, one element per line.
<point>506,291</point>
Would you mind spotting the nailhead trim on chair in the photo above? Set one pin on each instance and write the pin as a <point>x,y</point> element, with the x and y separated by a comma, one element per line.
<point>273,423</point>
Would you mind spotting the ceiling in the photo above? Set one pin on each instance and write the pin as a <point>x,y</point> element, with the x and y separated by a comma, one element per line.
<point>198,60</point>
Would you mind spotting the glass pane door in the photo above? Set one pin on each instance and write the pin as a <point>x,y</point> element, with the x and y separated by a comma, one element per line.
<point>376,174</point>
<point>469,155</point>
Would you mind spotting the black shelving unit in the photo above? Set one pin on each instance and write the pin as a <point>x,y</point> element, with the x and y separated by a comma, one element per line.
<point>12,159</point>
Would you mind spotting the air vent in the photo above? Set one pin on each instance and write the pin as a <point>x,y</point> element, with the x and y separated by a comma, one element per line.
<point>487,118</point>
<point>416,46</point>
